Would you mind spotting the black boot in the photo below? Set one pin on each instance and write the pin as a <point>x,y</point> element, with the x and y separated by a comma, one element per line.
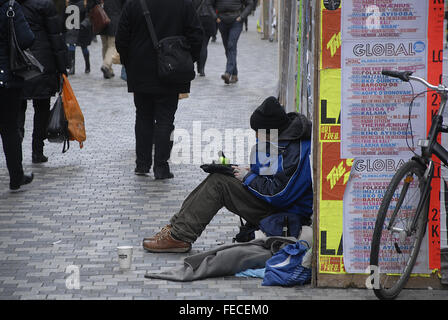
<point>163,172</point>
<point>201,70</point>
<point>38,152</point>
<point>87,61</point>
<point>26,179</point>
<point>71,61</point>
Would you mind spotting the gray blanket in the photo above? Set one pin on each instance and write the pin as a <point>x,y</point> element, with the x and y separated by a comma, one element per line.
<point>225,260</point>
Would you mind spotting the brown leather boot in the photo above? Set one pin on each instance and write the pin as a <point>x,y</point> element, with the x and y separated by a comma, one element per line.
<point>164,242</point>
<point>226,78</point>
<point>165,229</point>
<point>233,79</point>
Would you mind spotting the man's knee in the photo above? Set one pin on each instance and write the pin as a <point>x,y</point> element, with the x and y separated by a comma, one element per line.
<point>217,179</point>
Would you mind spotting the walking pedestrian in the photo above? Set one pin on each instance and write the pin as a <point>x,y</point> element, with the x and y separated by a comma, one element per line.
<point>50,50</point>
<point>230,24</point>
<point>205,13</point>
<point>81,37</point>
<point>10,91</point>
<point>156,102</point>
<point>113,10</point>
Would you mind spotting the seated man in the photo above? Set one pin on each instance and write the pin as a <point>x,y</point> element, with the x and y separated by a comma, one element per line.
<point>280,183</point>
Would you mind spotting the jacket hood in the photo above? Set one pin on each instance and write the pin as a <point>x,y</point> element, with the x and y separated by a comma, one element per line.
<point>299,128</point>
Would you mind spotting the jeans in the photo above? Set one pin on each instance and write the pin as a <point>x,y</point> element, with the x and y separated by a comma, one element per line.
<point>124,75</point>
<point>230,33</point>
<point>154,124</point>
<point>40,123</point>
<point>84,49</point>
<point>9,131</point>
<point>203,203</point>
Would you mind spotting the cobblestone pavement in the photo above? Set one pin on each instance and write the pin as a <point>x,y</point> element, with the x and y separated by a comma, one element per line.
<point>84,203</point>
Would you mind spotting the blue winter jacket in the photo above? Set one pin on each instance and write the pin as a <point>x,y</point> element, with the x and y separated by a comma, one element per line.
<point>25,38</point>
<point>287,185</point>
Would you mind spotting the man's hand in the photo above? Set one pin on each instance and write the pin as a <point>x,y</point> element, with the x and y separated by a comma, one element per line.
<point>218,20</point>
<point>240,172</point>
<point>238,19</point>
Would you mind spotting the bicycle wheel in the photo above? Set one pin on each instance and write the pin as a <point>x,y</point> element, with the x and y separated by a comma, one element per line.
<point>395,247</point>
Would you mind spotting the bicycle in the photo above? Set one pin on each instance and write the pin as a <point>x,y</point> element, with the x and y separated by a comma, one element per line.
<point>403,214</point>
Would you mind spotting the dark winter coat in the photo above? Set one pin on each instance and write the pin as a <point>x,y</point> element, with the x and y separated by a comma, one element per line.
<point>83,36</point>
<point>229,10</point>
<point>113,10</point>
<point>24,35</point>
<point>288,186</point>
<point>48,48</point>
<point>133,42</point>
<point>205,12</point>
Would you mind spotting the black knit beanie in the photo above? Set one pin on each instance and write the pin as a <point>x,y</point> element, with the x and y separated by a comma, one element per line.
<point>269,115</point>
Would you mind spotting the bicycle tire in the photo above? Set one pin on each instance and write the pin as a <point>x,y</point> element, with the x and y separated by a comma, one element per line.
<point>380,232</point>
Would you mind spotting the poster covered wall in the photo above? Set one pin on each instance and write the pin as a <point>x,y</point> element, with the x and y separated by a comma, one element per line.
<point>374,124</point>
<point>378,125</point>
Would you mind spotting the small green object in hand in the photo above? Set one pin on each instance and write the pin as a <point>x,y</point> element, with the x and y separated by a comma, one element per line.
<point>224,160</point>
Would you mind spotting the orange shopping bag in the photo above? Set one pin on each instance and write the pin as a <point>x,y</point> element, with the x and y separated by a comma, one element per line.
<point>73,113</point>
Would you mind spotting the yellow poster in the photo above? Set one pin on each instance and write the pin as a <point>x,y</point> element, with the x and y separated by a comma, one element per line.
<point>334,171</point>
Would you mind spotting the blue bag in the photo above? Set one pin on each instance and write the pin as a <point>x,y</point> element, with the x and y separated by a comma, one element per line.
<point>285,267</point>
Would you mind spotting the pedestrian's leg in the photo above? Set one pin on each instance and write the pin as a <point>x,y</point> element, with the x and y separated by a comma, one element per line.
<point>224,31</point>
<point>203,56</point>
<point>165,110</point>
<point>40,123</point>
<point>86,55</point>
<point>9,131</point>
<point>105,68</point>
<point>21,115</point>
<point>144,127</point>
<point>234,35</point>
<point>215,192</point>
<point>104,46</point>
<point>215,32</point>
<point>109,54</point>
<point>71,59</point>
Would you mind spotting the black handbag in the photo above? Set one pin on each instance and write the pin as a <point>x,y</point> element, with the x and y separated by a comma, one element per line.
<point>57,129</point>
<point>22,62</point>
<point>174,62</point>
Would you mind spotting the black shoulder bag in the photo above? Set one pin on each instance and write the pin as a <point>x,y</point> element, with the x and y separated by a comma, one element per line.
<point>22,62</point>
<point>174,62</point>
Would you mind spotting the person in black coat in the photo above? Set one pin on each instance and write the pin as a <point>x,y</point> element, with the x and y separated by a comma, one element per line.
<point>113,10</point>
<point>50,50</point>
<point>156,102</point>
<point>10,90</point>
<point>81,37</point>
<point>205,13</point>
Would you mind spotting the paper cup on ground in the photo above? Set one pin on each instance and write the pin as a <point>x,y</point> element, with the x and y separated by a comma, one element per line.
<point>125,257</point>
